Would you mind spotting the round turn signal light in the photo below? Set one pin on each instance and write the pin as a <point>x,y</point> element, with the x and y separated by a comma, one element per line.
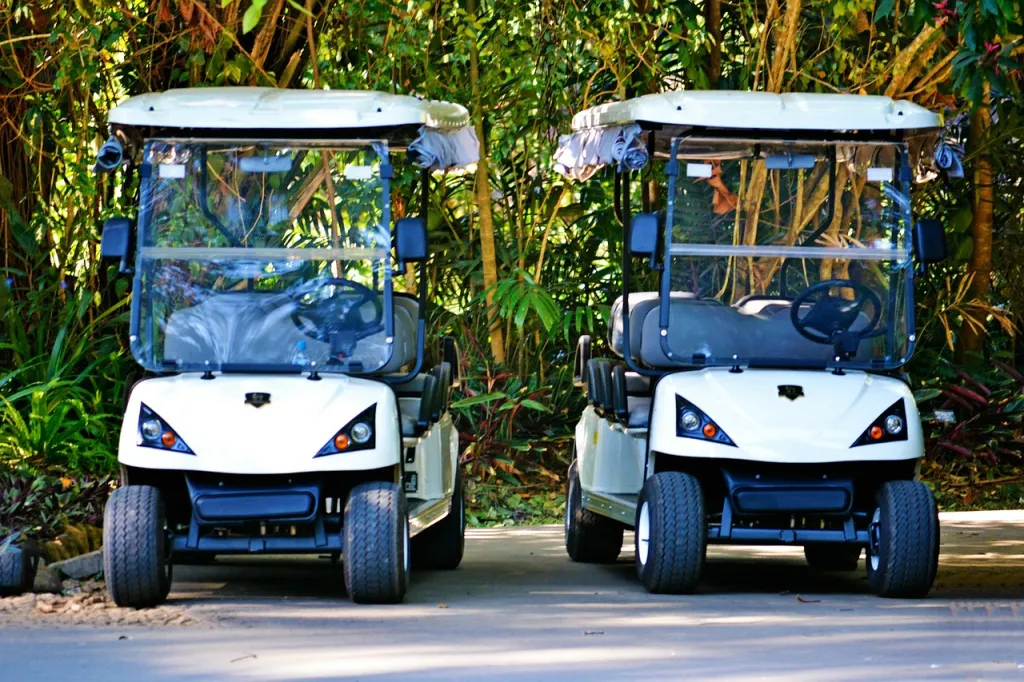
<point>875,432</point>
<point>710,430</point>
<point>341,441</point>
<point>168,439</point>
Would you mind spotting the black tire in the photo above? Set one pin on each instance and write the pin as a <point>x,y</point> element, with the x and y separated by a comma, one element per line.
<point>376,544</point>
<point>441,546</point>
<point>903,555</point>
<point>670,558</point>
<point>135,551</point>
<point>589,538</point>
<point>16,572</point>
<point>833,557</point>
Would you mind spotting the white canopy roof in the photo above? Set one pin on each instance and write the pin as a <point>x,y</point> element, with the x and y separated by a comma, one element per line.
<point>762,111</point>
<point>252,108</point>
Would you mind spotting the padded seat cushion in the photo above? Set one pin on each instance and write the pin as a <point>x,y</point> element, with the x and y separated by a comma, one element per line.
<point>257,328</point>
<point>755,327</point>
<point>640,304</point>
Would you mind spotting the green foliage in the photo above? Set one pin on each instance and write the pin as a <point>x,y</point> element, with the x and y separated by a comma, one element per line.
<point>43,506</point>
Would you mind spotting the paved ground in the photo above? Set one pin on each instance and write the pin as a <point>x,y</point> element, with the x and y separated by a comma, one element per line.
<point>518,609</point>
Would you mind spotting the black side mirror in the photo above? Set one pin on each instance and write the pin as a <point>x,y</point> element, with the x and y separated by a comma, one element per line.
<point>115,241</point>
<point>410,240</point>
<point>643,234</point>
<point>929,242</point>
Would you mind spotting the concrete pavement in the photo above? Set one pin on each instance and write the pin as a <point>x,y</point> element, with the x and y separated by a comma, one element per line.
<point>519,609</point>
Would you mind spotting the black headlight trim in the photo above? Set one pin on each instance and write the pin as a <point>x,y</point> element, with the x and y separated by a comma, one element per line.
<point>899,409</point>
<point>368,416</point>
<point>145,414</point>
<point>720,437</point>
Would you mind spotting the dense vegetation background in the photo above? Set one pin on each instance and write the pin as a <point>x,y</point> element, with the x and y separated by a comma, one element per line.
<point>526,262</point>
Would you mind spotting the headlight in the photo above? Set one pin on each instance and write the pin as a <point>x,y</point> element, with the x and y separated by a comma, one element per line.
<point>357,435</point>
<point>156,433</point>
<point>361,432</point>
<point>693,423</point>
<point>890,426</point>
<point>689,420</point>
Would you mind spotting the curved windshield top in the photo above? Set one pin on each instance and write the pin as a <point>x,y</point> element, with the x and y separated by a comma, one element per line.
<point>262,256</point>
<point>787,255</point>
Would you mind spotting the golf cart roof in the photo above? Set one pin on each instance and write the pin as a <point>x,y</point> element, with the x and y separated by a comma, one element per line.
<point>736,110</point>
<point>251,108</point>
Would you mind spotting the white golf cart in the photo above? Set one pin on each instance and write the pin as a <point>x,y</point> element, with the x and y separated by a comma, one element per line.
<point>759,397</point>
<point>283,409</point>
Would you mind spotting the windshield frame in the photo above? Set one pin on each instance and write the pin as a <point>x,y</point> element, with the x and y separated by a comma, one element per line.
<point>144,218</point>
<point>901,257</point>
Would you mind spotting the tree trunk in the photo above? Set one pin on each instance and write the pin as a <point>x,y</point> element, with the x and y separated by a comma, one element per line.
<point>713,21</point>
<point>980,266</point>
<point>483,196</point>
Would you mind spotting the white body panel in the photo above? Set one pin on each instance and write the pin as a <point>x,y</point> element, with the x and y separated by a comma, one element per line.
<point>609,460</point>
<point>763,111</point>
<point>228,436</point>
<point>274,108</point>
<point>766,427</point>
<point>435,457</point>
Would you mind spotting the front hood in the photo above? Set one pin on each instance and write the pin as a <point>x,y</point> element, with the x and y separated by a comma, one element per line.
<point>214,420</point>
<point>753,407</point>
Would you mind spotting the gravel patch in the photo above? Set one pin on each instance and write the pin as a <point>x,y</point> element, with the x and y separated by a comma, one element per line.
<point>85,603</point>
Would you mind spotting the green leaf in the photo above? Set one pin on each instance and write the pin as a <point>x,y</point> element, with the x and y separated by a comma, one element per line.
<point>534,405</point>
<point>478,399</point>
<point>884,9</point>
<point>251,17</point>
<point>923,394</point>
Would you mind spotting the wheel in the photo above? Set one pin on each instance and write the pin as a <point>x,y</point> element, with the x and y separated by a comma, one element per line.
<point>376,544</point>
<point>16,572</point>
<point>589,538</point>
<point>136,562</point>
<point>441,546</point>
<point>671,533</point>
<point>903,553</point>
<point>833,557</point>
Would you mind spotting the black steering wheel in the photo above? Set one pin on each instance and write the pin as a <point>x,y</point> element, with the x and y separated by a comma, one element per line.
<point>830,318</point>
<point>326,319</point>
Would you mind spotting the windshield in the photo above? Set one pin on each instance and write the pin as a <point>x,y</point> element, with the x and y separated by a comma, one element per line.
<point>262,256</point>
<point>787,255</point>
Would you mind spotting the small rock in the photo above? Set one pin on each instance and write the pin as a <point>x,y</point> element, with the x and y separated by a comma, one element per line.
<point>47,580</point>
<point>80,567</point>
<point>44,607</point>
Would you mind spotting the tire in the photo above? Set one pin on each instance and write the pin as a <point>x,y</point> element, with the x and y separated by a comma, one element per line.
<point>376,544</point>
<point>903,555</point>
<point>833,557</point>
<point>441,546</point>
<point>136,562</point>
<point>589,538</point>
<point>671,533</point>
<point>16,572</point>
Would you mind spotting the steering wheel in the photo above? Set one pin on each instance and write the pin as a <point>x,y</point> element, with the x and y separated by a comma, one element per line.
<point>323,319</point>
<point>830,317</point>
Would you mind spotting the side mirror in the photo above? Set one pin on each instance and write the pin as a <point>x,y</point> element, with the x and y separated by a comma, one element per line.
<point>643,235</point>
<point>411,240</point>
<point>115,241</point>
<point>929,242</point>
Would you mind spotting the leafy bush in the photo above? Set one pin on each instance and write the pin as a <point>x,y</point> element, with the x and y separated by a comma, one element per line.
<point>43,506</point>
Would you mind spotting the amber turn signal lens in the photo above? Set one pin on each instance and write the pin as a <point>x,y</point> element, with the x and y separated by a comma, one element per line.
<point>875,432</point>
<point>341,441</point>
<point>710,431</point>
<point>168,439</point>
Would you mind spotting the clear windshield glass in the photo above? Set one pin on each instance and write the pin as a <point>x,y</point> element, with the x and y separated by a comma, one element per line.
<point>262,256</point>
<point>788,255</point>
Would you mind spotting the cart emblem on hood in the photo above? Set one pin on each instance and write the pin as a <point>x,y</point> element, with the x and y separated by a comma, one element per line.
<point>257,399</point>
<point>790,391</point>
